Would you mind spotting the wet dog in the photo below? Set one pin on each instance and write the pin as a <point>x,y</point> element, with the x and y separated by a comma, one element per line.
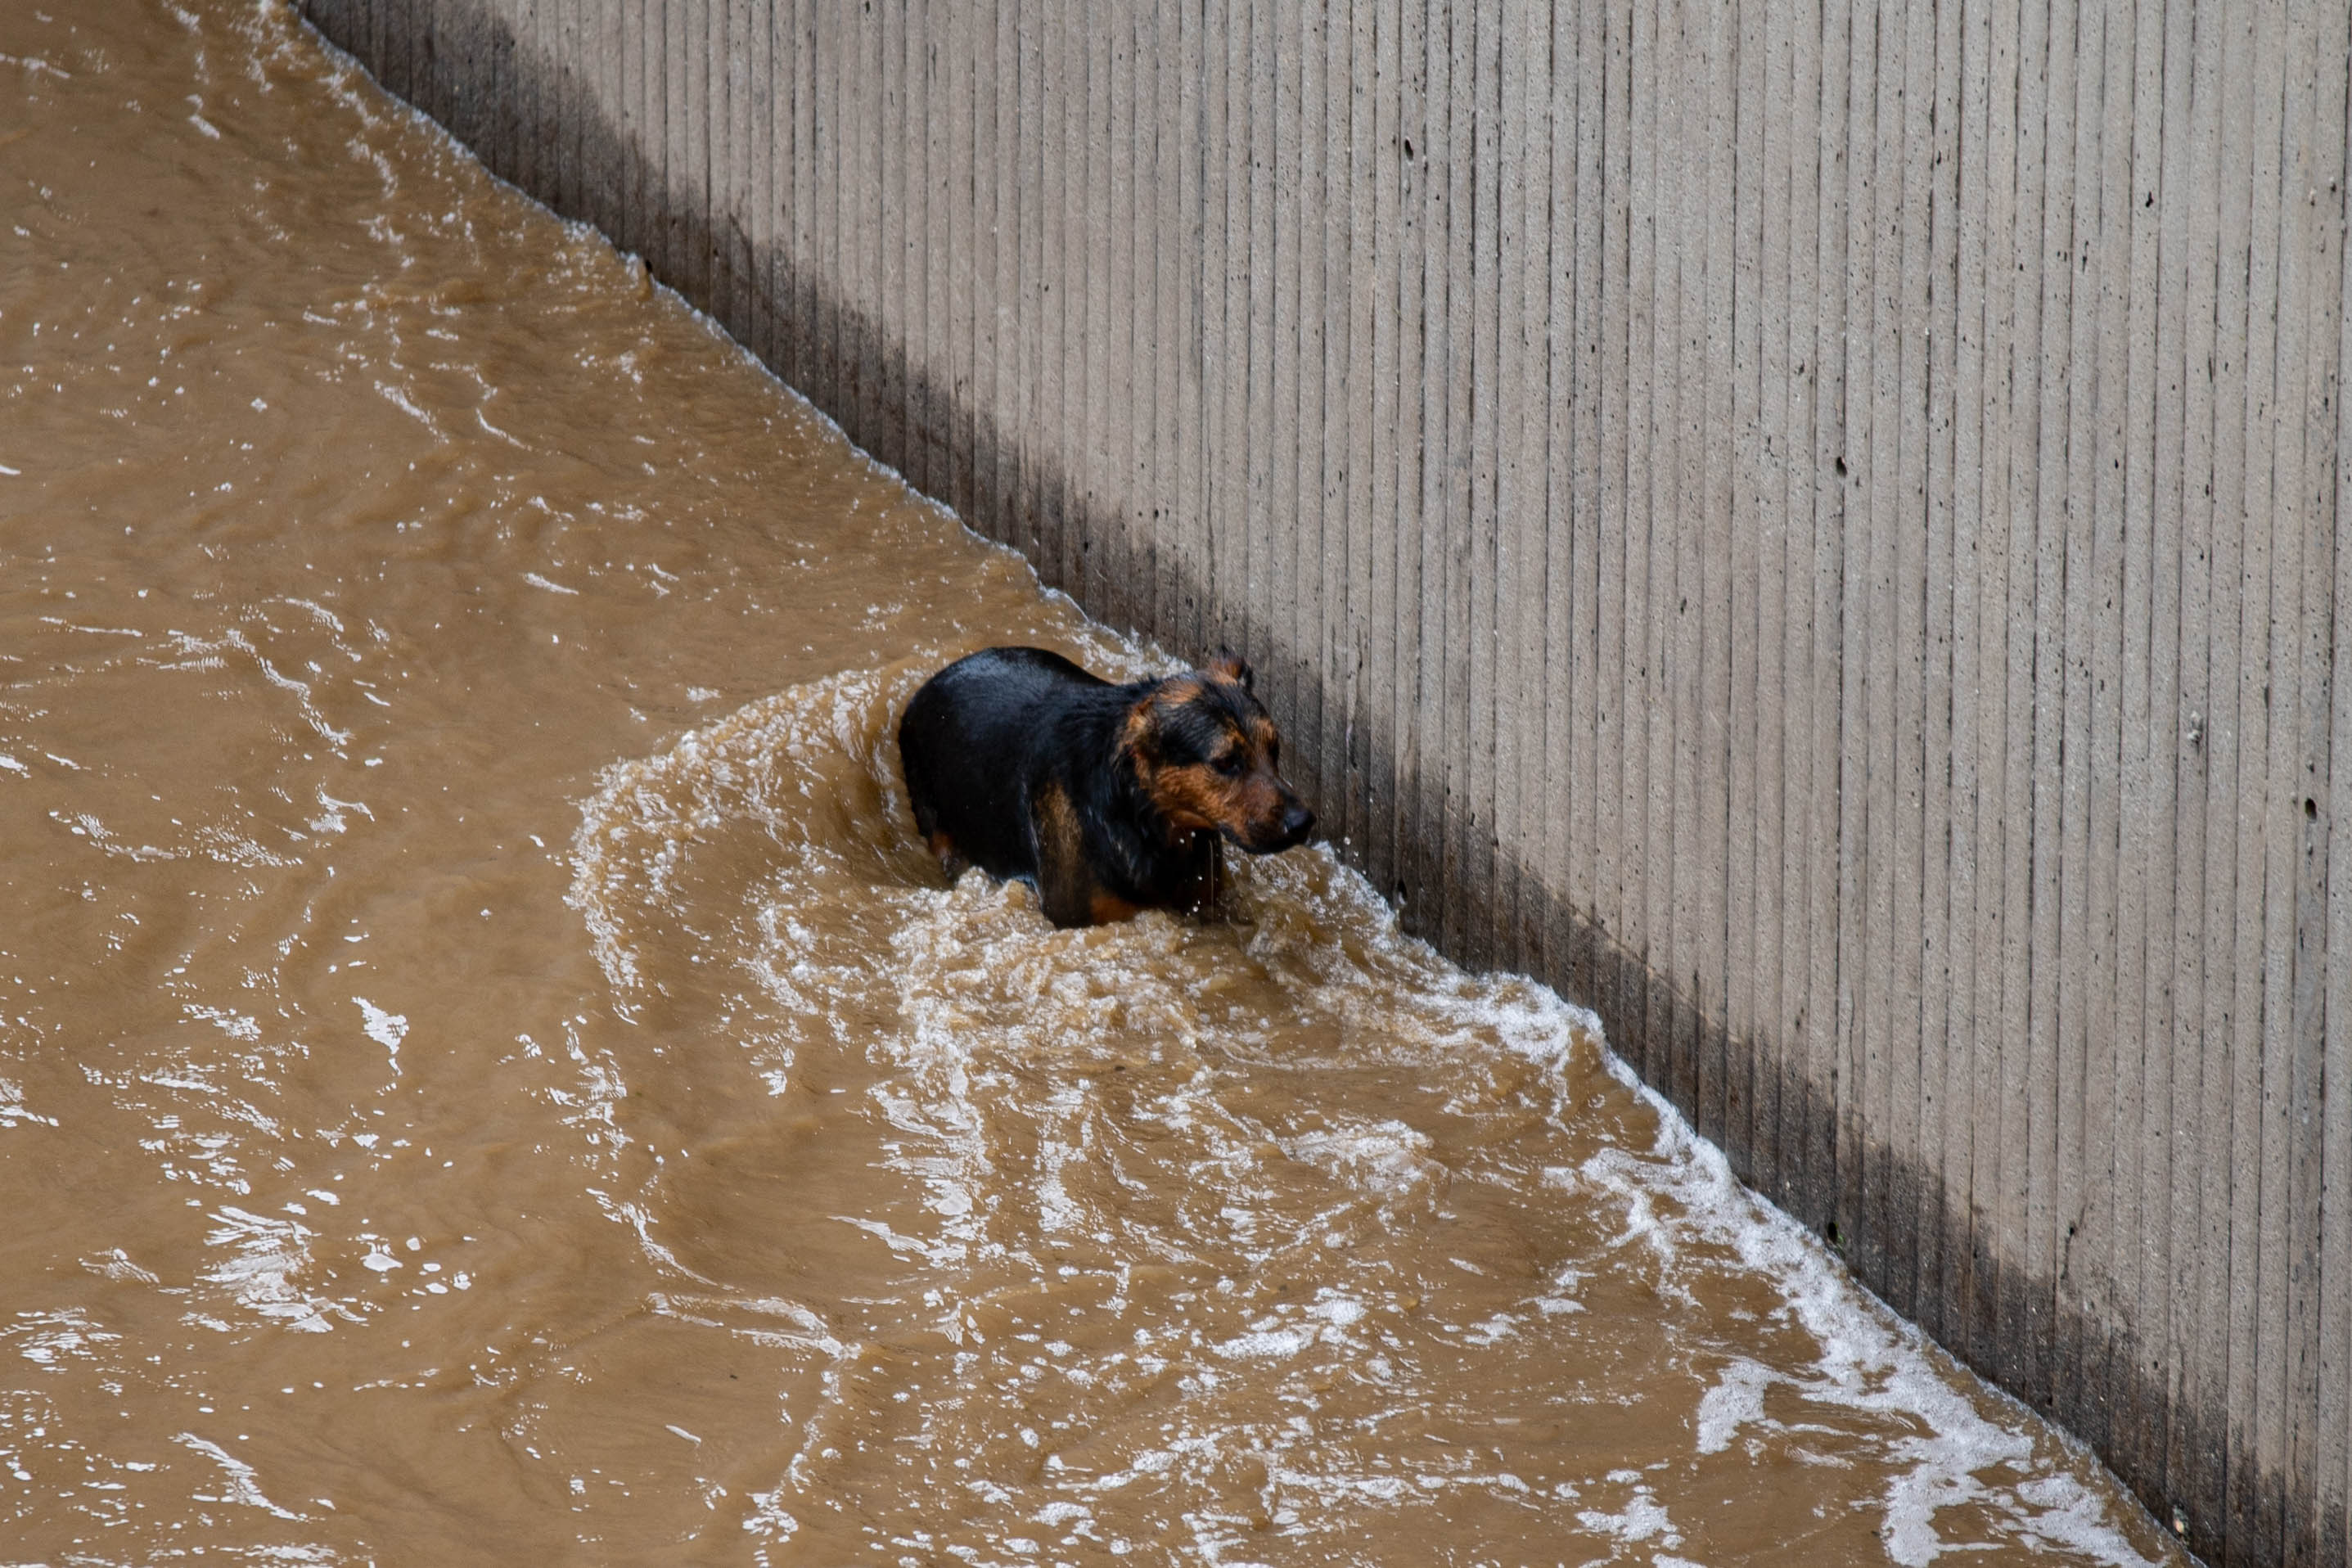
<point>1109,799</point>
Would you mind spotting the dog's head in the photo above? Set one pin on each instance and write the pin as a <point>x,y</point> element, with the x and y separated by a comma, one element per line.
<point>1209,758</point>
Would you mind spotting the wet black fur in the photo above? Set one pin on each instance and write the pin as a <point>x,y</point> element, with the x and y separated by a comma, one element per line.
<point>989,740</point>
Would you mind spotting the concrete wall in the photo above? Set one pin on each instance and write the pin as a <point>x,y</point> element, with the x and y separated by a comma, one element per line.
<point>1813,528</point>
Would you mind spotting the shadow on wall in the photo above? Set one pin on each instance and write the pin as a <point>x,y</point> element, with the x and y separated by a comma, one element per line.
<point>534,124</point>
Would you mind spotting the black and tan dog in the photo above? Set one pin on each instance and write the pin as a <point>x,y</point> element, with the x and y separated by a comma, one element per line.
<point>1111,799</point>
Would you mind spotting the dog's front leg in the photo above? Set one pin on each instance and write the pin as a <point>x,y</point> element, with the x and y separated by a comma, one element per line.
<point>1065,886</point>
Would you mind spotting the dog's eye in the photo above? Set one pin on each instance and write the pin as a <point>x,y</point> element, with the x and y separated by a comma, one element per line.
<point>1230,764</point>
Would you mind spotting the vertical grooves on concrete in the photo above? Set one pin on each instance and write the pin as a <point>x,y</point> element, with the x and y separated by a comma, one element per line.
<point>1813,527</point>
<point>2332,1283</point>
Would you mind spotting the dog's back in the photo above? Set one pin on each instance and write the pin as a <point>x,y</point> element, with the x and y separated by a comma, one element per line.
<point>976,739</point>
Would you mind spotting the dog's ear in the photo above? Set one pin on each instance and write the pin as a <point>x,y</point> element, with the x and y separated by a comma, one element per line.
<point>1140,736</point>
<point>1229,665</point>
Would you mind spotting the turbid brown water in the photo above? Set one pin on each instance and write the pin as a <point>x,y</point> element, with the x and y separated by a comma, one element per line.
<point>486,1076</point>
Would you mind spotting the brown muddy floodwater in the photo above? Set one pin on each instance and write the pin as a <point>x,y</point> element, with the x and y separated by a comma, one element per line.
<point>486,1076</point>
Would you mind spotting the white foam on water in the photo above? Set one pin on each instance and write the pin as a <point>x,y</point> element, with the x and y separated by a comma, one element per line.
<point>242,1487</point>
<point>116,1264</point>
<point>268,1252</point>
<point>50,1340</point>
<point>1642,1519</point>
<point>386,1029</point>
<point>1870,1361</point>
<point>990,1104</point>
<point>12,1109</point>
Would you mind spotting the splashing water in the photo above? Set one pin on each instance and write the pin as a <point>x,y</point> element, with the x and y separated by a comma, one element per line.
<point>1276,1239</point>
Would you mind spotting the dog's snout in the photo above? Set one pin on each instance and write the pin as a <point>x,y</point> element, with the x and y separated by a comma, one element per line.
<point>1296,823</point>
